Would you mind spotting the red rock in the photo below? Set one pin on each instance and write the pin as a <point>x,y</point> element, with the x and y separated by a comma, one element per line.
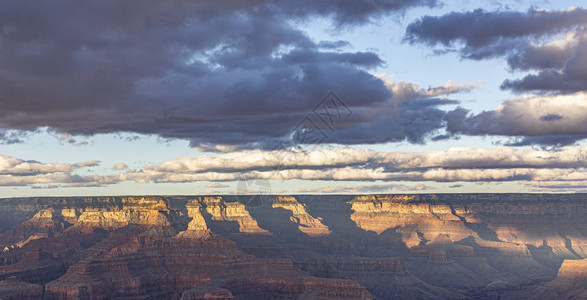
<point>385,246</point>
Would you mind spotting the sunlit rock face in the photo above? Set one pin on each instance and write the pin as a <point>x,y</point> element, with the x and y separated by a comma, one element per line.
<point>306,223</point>
<point>450,246</point>
<point>223,211</point>
<point>570,283</point>
<point>416,222</point>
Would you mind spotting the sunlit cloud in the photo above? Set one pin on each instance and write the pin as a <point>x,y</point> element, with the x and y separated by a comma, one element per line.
<point>396,169</point>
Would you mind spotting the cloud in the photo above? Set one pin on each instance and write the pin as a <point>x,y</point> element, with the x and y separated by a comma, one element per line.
<point>557,186</point>
<point>551,117</point>
<point>216,185</point>
<point>524,39</point>
<point>406,91</point>
<point>549,141</point>
<point>372,174</point>
<point>12,166</point>
<point>217,73</point>
<point>333,44</point>
<point>396,169</point>
<point>119,166</point>
<point>413,188</point>
<point>571,78</point>
<point>362,189</point>
<point>548,55</point>
<point>69,179</point>
<point>529,116</point>
<point>561,65</point>
<point>19,172</point>
<point>480,30</point>
<point>158,69</point>
<point>340,158</point>
<point>8,137</point>
<point>67,138</point>
<point>348,11</point>
<point>347,164</point>
<point>553,43</point>
<point>50,186</point>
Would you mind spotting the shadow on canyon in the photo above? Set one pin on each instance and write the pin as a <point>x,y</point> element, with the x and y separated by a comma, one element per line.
<point>448,246</point>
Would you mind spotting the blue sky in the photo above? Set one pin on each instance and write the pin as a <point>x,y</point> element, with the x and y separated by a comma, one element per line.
<point>185,98</point>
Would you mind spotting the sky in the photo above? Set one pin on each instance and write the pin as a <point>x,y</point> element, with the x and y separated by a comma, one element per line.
<point>292,97</point>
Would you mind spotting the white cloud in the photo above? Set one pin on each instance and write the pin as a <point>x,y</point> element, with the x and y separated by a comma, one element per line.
<point>368,188</point>
<point>216,185</point>
<point>15,166</point>
<point>501,157</point>
<point>529,166</point>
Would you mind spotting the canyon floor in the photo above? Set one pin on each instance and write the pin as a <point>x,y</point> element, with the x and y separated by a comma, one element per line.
<point>435,246</point>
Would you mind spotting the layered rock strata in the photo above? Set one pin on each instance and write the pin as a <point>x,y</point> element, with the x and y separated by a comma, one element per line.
<point>449,246</point>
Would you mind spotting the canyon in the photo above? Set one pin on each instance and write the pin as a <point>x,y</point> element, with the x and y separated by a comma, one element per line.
<point>426,246</point>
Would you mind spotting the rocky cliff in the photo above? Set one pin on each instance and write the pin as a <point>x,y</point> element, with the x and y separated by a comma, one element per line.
<point>449,246</point>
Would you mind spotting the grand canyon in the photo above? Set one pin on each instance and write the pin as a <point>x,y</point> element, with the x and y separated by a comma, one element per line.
<point>293,149</point>
<point>428,246</point>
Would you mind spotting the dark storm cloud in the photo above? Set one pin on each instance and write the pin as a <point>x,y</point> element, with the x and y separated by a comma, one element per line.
<point>520,38</point>
<point>479,28</point>
<point>213,72</point>
<point>410,122</point>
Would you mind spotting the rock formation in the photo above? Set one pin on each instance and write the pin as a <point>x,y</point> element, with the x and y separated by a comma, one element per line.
<point>449,246</point>
<point>570,283</point>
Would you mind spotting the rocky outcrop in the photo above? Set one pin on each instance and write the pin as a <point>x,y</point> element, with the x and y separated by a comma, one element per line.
<point>14,288</point>
<point>224,212</point>
<point>416,222</point>
<point>47,222</point>
<point>307,224</point>
<point>573,269</point>
<point>570,283</point>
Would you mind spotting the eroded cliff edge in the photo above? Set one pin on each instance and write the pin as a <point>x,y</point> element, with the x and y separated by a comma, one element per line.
<point>446,246</point>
